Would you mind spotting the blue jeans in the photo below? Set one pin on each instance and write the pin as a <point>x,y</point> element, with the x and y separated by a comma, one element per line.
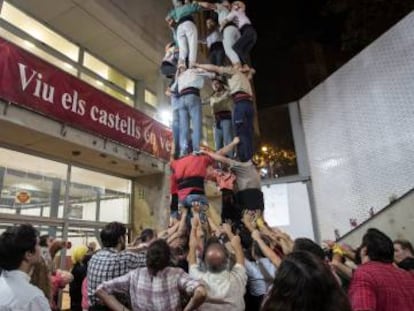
<point>243,125</point>
<point>223,134</point>
<point>190,112</point>
<point>175,105</point>
<point>188,203</point>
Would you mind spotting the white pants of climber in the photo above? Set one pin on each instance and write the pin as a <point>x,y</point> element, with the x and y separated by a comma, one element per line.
<point>187,38</point>
<point>230,36</point>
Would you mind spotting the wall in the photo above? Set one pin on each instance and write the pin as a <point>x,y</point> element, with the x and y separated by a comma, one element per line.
<point>397,221</point>
<point>151,204</point>
<point>287,207</point>
<point>359,131</point>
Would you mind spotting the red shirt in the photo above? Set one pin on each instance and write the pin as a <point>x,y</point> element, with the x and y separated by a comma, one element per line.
<point>377,286</point>
<point>224,180</point>
<point>189,166</point>
<point>173,184</point>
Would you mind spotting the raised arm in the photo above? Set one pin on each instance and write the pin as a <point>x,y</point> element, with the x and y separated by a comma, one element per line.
<point>228,148</point>
<point>266,250</point>
<point>181,227</point>
<point>207,5</point>
<point>209,67</point>
<point>217,157</point>
<point>235,244</point>
<point>192,245</point>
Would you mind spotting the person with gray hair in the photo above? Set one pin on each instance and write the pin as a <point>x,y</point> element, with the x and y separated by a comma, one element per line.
<point>225,285</point>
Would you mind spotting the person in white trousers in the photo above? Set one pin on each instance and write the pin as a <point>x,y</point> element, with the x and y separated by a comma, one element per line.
<point>230,31</point>
<point>187,34</point>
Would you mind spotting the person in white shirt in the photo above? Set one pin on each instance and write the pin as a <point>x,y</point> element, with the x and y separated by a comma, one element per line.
<point>225,286</point>
<point>190,82</point>
<point>228,29</point>
<point>248,33</point>
<point>19,251</point>
<point>214,42</point>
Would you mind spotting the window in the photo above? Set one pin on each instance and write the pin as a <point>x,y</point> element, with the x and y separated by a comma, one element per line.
<point>33,186</point>
<point>38,31</point>
<point>94,195</point>
<point>30,185</point>
<point>120,87</point>
<point>150,98</point>
<point>100,85</point>
<point>108,73</point>
<point>30,47</point>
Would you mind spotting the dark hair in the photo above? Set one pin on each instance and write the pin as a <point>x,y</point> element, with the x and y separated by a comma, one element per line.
<point>147,235</point>
<point>407,264</point>
<point>358,259</point>
<point>305,244</point>
<point>111,233</point>
<point>405,245</point>
<point>86,259</point>
<point>379,246</point>
<point>14,243</point>
<point>158,256</point>
<point>305,283</point>
<point>43,240</point>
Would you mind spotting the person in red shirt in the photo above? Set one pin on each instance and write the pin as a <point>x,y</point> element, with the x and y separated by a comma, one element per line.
<point>187,179</point>
<point>377,284</point>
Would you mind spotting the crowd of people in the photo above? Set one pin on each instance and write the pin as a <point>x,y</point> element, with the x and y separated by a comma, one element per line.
<point>227,270</point>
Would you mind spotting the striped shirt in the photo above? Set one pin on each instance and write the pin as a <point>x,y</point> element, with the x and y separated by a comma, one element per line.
<point>108,264</point>
<point>154,293</point>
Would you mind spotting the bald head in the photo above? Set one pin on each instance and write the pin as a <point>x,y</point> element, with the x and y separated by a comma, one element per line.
<point>216,258</point>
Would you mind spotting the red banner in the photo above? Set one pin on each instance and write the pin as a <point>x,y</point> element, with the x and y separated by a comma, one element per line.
<point>35,84</point>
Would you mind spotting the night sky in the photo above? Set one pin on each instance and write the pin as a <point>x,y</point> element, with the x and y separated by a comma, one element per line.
<point>288,34</point>
<point>302,34</point>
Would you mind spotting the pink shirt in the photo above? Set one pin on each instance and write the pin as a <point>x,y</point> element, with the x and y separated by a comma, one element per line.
<point>224,180</point>
<point>85,304</point>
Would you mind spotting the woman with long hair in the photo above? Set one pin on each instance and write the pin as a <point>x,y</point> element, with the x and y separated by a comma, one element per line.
<point>305,283</point>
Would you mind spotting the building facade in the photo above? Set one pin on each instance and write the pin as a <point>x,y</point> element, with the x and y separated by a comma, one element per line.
<point>81,100</point>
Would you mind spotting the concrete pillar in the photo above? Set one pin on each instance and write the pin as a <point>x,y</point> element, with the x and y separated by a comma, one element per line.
<point>54,203</point>
<point>151,204</point>
<point>2,173</point>
<point>139,95</point>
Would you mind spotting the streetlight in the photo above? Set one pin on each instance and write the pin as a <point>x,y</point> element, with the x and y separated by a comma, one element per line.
<point>165,117</point>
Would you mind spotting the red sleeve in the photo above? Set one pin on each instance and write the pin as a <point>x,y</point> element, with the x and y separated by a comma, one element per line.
<point>207,160</point>
<point>361,292</point>
<point>173,184</point>
<point>57,283</point>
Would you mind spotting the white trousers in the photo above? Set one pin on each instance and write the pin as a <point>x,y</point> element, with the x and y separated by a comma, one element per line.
<point>187,38</point>
<point>230,36</point>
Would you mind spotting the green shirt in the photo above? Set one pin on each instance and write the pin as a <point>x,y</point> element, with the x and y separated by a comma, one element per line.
<point>184,10</point>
